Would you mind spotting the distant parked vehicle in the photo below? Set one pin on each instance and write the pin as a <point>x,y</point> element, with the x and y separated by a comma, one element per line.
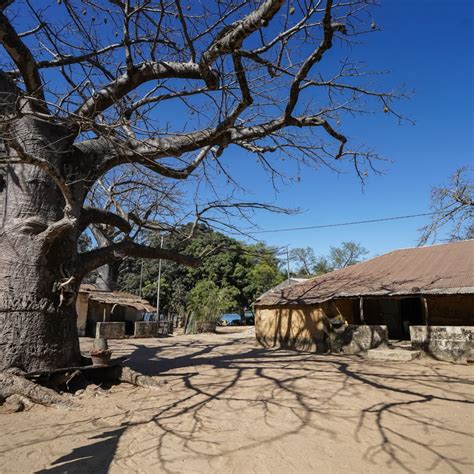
<point>234,319</point>
<point>230,319</point>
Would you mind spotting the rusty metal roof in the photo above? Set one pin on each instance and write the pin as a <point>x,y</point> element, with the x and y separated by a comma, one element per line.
<point>116,297</point>
<point>284,284</point>
<point>436,269</point>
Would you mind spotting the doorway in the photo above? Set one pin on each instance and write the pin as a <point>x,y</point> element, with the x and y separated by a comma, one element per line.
<point>398,314</point>
<point>411,314</point>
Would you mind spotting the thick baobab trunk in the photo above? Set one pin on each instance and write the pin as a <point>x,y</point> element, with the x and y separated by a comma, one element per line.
<point>37,319</point>
<point>107,276</point>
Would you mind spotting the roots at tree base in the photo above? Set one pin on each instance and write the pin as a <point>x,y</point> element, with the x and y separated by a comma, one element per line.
<point>23,391</point>
<point>12,385</point>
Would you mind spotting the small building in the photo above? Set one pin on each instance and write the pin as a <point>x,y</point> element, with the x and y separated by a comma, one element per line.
<point>93,306</point>
<point>432,286</point>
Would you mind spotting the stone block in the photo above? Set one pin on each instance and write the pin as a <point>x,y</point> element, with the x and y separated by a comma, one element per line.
<point>393,355</point>
<point>165,328</point>
<point>361,338</point>
<point>110,330</point>
<point>449,343</point>
<point>146,329</point>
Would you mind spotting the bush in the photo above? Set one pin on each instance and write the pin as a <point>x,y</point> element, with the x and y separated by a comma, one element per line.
<point>207,301</point>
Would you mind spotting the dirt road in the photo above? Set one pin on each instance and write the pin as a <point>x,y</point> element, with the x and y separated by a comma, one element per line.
<point>229,406</point>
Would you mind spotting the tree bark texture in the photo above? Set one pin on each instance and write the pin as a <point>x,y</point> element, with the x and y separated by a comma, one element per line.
<point>37,322</point>
<point>107,276</point>
<point>42,215</point>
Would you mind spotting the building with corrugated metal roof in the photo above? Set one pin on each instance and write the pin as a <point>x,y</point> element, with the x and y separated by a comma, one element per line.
<point>431,286</point>
<point>93,306</point>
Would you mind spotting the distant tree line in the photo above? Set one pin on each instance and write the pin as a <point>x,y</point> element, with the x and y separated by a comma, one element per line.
<point>306,263</point>
<point>228,280</point>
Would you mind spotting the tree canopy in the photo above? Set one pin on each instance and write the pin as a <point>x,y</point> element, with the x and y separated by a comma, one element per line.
<point>241,271</point>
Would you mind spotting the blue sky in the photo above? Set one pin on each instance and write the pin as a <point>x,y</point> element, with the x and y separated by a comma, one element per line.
<point>428,46</point>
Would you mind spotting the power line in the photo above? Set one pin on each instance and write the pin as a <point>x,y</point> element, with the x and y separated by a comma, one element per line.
<point>325,226</point>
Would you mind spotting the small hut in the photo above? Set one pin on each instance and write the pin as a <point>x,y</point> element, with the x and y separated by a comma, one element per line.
<point>93,306</point>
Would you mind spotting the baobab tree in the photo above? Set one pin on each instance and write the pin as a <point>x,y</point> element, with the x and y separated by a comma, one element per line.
<point>85,89</point>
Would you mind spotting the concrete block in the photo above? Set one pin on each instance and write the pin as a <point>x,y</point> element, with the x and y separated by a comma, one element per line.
<point>449,343</point>
<point>146,329</point>
<point>165,328</point>
<point>392,355</point>
<point>110,330</point>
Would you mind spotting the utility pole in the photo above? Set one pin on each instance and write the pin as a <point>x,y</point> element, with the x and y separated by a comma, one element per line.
<point>288,263</point>
<point>158,286</point>
<point>141,279</point>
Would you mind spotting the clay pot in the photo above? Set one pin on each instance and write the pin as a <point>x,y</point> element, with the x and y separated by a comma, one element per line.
<point>101,358</point>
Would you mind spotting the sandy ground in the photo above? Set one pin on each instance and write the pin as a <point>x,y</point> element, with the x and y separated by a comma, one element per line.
<point>227,405</point>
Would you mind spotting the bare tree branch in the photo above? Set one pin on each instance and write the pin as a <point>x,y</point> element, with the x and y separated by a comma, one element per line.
<point>90,215</point>
<point>24,60</point>
<point>130,80</point>
<point>127,248</point>
<point>453,206</point>
<point>231,38</point>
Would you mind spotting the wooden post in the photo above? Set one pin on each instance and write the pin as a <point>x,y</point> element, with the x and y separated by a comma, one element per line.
<point>425,309</point>
<point>361,309</point>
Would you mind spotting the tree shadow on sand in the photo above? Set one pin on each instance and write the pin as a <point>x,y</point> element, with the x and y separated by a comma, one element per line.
<point>218,372</point>
<point>95,457</point>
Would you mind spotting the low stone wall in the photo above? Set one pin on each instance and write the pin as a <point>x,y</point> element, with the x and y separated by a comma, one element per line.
<point>197,327</point>
<point>146,329</point>
<point>152,329</point>
<point>351,339</point>
<point>449,343</point>
<point>359,338</point>
<point>110,330</point>
<point>364,337</point>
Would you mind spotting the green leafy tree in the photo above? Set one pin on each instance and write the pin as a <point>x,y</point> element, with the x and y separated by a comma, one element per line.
<point>207,301</point>
<point>243,271</point>
<point>263,276</point>
<point>323,265</point>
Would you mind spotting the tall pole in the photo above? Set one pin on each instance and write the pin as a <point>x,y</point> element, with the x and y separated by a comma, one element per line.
<point>141,279</point>
<point>158,286</point>
<point>288,263</point>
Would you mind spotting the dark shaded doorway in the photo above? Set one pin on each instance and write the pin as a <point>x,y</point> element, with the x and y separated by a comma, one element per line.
<point>411,314</point>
